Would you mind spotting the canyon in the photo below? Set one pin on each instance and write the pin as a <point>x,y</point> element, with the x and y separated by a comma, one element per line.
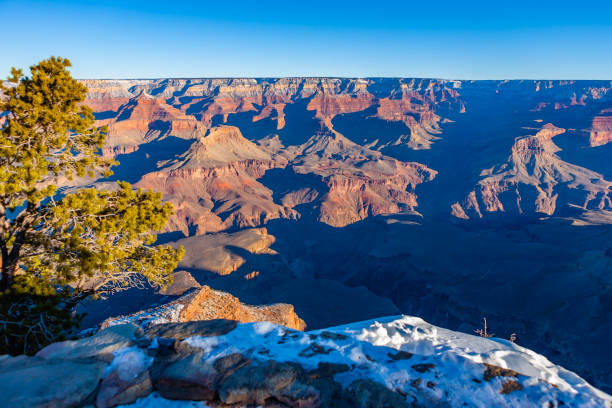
<point>352,199</point>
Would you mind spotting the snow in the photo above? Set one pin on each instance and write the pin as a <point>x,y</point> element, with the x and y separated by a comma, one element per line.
<point>154,400</point>
<point>161,314</point>
<point>414,335</point>
<point>447,362</point>
<point>128,363</point>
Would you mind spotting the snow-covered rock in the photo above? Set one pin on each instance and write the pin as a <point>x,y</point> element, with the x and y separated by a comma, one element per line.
<point>428,364</point>
<point>393,361</point>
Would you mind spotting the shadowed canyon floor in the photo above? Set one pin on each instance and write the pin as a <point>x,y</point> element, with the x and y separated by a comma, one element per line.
<point>352,199</point>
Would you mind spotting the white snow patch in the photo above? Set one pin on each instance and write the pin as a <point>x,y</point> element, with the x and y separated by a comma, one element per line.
<point>155,400</point>
<point>205,343</point>
<point>414,335</point>
<point>444,363</point>
<point>128,363</point>
<point>161,314</point>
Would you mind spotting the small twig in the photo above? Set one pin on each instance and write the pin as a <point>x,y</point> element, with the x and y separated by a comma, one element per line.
<point>484,333</point>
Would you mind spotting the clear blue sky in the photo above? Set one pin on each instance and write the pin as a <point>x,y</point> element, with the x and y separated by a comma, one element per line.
<point>492,39</point>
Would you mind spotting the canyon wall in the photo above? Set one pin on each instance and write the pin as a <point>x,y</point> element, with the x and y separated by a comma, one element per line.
<point>223,150</point>
<point>352,199</point>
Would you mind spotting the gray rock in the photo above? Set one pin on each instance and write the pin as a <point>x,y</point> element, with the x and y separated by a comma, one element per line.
<point>299,395</point>
<point>256,383</point>
<point>100,346</point>
<point>33,382</point>
<point>370,394</point>
<point>228,365</point>
<point>127,380</point>
<point>11,363</point>
<point>117,391</point>
<point>400,355</point>
<point>179,331</point>
<point>182,282</point>
<point>327,370</point>
<point>188,378</point>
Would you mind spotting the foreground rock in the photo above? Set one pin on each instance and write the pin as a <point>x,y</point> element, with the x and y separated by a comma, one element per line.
<point>101,346</point>
<point>393,362</point>
<point>35,382</point>
<point>212,304</point>
<point>206,304</point>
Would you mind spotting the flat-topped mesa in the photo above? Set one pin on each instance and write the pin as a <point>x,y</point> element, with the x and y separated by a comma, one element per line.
<point>535,180</point>
<point>384,187</point>
<point>329,105</point>
<point>530,147</point>
<point>216,253</point>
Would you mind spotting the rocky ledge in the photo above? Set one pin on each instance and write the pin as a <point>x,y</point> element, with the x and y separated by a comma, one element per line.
<point>388,362</point>
<point>205,303</point>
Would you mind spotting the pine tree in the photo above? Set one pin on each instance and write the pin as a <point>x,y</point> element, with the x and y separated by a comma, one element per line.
<point>58,249</point>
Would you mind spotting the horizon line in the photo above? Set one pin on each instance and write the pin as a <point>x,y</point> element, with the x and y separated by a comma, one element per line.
<point>338,77</point>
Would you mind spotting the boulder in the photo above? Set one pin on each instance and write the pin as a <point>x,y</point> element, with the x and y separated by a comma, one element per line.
<point>34,382</point>
<point>208,303</point>
<point>269,380</point>
<point>182,282</point>
<point>99,346</point>
<point>127,378</point>
<point>116,391</point>
<point>370,394</point>
<point>228,365</point>
<point>180,331</point>
<point>188,378</point>
<point>327,370</point>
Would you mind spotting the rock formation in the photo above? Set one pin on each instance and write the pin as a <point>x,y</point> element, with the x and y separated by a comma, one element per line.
<point>213,253</point>
<point>207,304</point>
<point>359,184</point>
<point>533,179</point>
<point>340,123</point>
<point>601,131</point>
<point>215,190</point>
<point>214,186</point>
<point>204,303</point>
<point>228,364</point>
<point>144,118</point>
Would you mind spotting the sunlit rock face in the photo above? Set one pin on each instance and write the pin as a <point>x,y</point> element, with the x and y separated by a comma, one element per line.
<point>601,130</point>
<point>214,183</point>
<point>532,180</point>
<point>348,145</point>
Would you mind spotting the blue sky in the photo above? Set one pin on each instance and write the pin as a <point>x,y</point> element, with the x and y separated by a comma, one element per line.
<point>494,39</point>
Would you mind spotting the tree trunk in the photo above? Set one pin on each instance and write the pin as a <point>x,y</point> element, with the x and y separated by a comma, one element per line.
<point>7,274</point>
<point>10,261</point>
